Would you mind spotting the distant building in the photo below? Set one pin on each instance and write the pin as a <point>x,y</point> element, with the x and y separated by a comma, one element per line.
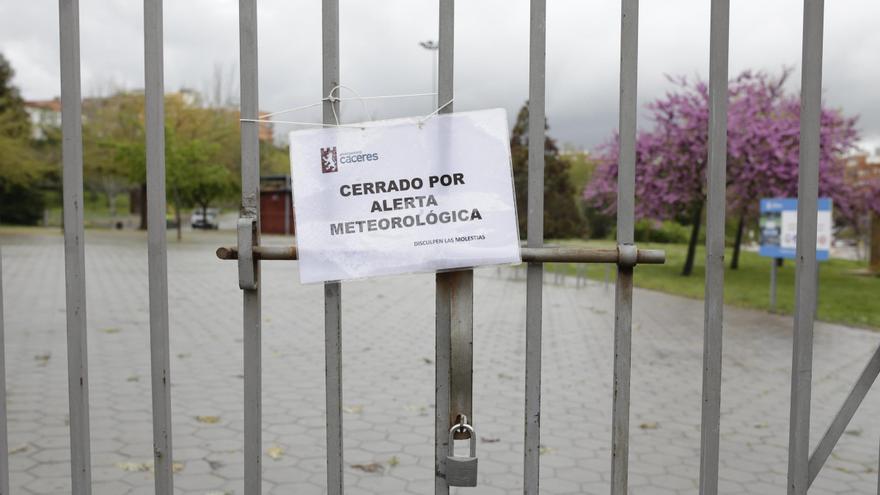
<point>276,205</point>
<point>43,113</point>
<point>862,167</point>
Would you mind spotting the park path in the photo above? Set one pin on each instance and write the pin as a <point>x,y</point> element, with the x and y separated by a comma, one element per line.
<point>388,378</point>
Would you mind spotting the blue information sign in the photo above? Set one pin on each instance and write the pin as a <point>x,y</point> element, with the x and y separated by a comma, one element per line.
<point>778,226</point>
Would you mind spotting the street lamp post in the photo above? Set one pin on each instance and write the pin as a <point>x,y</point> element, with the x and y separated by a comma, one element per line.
<point>434,48</point>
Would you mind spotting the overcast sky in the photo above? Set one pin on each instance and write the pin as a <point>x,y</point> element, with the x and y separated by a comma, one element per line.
<point>380,54</point>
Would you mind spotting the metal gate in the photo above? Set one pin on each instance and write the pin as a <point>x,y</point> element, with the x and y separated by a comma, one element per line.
<point>454,291</point>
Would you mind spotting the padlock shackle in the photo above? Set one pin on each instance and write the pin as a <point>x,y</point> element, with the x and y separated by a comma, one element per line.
<point>473,438</point>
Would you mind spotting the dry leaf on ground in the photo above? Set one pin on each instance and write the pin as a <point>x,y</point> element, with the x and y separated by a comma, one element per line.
<point>275,452</point>
<point>373,467</point>
<point>143,467</point>
<point>19,449</point>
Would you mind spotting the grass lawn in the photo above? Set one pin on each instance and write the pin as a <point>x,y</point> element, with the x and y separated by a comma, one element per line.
<point>846,295</point>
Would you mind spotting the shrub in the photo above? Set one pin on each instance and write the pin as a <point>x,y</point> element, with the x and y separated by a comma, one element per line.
<point>667,232</point>
<point>21,205</point>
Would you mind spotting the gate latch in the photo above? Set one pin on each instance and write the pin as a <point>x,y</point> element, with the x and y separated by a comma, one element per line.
<point>247,263</point>
<point>462,470</point>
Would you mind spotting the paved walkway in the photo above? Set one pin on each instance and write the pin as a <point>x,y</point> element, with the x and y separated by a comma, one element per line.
<point>388,381</point>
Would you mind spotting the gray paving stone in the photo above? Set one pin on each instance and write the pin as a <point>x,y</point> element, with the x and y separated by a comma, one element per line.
<point>388,377</point>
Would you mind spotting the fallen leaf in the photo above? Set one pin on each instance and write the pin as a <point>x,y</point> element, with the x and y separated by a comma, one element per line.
<point>43,358</point>
<point>148,466</point>
<point>19,449</point>
<point>208,419</point>
<point>428,360</point>
<point>489,440</point>
<point>543,449</point>
<point>133,378</point>
<point>184,355</point>
<point>650,425</point>
<point>135,467</point>
<point>110,330</point>
<point>854,432</point>
<point>353,409</point>
<point>393,461</point>
<point>422,410</point>
<point>373,467</point>
<point>275,452</point>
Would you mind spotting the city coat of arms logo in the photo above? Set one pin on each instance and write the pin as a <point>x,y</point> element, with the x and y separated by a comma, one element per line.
<point>328,160</point>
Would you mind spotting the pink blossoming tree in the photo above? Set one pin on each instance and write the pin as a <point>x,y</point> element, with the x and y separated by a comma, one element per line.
<point>763,144</point>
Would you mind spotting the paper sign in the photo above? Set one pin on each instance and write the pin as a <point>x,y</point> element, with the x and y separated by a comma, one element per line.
<point>400,196</point>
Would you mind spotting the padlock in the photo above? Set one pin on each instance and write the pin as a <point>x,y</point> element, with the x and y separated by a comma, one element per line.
<point>462,471</point>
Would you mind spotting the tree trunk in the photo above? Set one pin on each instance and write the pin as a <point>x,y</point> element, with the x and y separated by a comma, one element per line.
<point>874,264</point>
<point>737,243</point>
<point>696,220</point>
<point>142,199</point>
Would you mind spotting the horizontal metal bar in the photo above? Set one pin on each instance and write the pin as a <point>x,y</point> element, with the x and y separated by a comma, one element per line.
<point>529,255</point>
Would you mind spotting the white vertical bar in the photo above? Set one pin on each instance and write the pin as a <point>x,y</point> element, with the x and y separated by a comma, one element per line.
<point>74,250</point>
<point>441,383</point>
<point>332,290</point>
<point>714,299</point>
<point>535,273</point>
<point>250,208</point>
<point>157,246</point>
<point>446,283</point>
<point>629,46</point>
<point>4,440</point>
<point>333,360</point>
<point>805,283</point>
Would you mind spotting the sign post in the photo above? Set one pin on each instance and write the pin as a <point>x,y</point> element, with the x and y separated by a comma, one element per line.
<point>778,225</point>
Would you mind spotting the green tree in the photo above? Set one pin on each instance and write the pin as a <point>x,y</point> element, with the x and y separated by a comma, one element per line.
<point>274,160</point>
<point>194,177</point>
<point>561,216</point>
<point>21,201</point>
<point>201,149</point>
<point>113,137</point>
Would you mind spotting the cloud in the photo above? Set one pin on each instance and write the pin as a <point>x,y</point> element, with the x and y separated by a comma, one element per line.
<point>380,52</point>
